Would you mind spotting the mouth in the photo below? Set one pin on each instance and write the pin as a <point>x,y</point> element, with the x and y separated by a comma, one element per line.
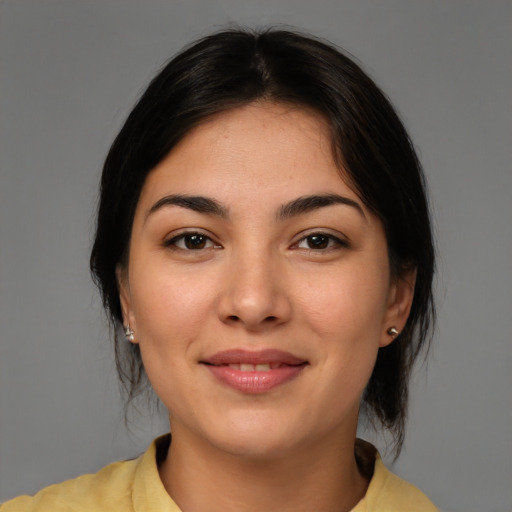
<point>261,367</point>
<point>254,372</point>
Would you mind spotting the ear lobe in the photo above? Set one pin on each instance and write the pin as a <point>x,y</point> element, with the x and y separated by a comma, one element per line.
<point>401,294</point>
<point>125,297</point>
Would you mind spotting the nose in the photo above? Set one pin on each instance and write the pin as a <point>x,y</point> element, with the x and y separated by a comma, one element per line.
<point>254,294</point>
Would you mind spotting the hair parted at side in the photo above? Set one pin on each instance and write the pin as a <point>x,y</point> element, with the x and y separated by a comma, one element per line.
<point>233,68</point>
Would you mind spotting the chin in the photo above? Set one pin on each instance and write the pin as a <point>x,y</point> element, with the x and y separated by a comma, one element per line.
<point>255,447</point>
<point>258,436</point>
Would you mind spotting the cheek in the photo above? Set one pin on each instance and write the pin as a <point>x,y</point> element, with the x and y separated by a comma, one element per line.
<point>348,303</point>
<point>171,306</point>
<point>170,310</point>
<point>345,312</point>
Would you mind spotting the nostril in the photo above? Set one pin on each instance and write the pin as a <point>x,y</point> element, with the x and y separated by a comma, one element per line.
<point>268,320</point>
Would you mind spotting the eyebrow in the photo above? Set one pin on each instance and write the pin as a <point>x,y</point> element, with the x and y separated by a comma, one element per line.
<point>198,204</point>
<point>299,206</point>
<point>307,204</point>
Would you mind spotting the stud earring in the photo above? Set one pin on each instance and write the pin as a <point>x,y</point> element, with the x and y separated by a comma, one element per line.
<point>392,331</point>
<point>129,333</point>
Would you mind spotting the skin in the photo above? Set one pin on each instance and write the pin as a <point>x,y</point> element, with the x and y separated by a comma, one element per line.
<point>258,281</point>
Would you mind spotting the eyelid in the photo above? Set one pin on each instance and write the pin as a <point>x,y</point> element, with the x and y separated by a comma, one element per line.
<point>170,240</point>
<point>340,240</point>
<point>337,240</point>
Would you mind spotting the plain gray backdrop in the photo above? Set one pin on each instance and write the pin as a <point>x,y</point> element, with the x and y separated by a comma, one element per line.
<point>70,72</point>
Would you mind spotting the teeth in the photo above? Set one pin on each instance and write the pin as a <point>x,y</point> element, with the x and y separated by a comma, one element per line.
<point>263,367</point>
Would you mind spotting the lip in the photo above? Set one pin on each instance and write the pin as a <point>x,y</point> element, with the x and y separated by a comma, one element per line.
<point>284,367</point>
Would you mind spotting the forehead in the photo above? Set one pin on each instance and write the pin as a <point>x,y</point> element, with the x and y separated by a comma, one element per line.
<point>259,151</point>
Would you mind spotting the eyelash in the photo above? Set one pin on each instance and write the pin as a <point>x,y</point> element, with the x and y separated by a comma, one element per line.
<point>183,237</point>
<point>332,242</point>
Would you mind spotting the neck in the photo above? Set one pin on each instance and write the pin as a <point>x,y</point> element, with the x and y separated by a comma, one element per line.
<point>322,477</point>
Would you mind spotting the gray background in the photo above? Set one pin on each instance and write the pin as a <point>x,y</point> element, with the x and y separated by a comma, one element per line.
<point>71,70</point>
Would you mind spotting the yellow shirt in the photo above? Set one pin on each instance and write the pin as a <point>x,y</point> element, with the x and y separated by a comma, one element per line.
<point>135,486</point>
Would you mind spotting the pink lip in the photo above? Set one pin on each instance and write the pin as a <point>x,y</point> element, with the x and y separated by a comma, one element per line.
<point>256,381</point>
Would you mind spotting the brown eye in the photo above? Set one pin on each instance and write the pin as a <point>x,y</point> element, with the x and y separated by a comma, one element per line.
<point>195,241</point>
<point>321,241</point>
<point>317,241</point>
<point>191,242</point>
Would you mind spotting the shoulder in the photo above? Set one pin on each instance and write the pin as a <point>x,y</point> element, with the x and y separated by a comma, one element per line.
<point>109,489</point>
<point>387,491</point>
<point>119,487</point>
<point>396,494</point>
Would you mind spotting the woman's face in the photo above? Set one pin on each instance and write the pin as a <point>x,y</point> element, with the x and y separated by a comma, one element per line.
<point>258,285</point>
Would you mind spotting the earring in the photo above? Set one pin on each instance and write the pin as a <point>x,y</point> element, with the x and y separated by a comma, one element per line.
<point>392,331</point>
<point>129,333</point>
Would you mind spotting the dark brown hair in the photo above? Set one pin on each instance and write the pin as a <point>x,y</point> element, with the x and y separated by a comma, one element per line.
<point>234,68</point>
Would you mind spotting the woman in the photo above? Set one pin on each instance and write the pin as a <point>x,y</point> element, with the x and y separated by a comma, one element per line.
<point>264,243</point>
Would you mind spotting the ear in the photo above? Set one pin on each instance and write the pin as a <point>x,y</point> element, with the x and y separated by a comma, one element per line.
<point>123,286</point>
<point>400,296</point>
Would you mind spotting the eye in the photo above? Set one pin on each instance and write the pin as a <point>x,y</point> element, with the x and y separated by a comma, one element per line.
<point>320,241</point>
<point>191,242</point>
